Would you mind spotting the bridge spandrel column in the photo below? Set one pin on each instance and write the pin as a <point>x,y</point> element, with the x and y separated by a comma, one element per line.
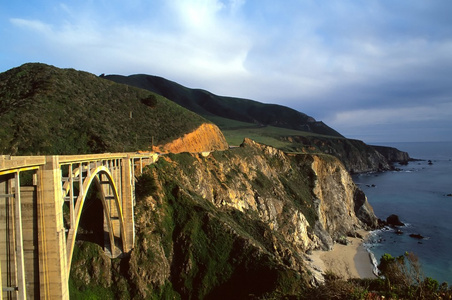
<point>53,275</point>
<point>127,202</point>
<point>7,239</point>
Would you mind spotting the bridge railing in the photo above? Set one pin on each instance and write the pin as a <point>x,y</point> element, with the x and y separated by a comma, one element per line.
<point>11,164</point>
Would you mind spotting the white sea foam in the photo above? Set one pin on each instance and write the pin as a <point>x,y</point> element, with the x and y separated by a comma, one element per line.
<point>370,242</point>
<point>374,263</point>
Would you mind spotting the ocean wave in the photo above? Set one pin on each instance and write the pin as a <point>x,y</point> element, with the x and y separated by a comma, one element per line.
<point>374,261</point>
<point>368,244</point>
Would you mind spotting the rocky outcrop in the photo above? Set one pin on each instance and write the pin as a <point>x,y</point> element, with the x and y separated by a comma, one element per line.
<point>393,154</point>
<point>243,218</point>
<point>205,138</point>
<point>342,207</point>
<point>393,220</point>
<point>356,156</point>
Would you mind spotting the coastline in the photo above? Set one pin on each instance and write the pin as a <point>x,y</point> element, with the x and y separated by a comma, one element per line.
<point>348,261</point>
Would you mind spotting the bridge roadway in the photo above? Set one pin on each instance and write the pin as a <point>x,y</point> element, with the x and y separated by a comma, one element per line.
<point>40,217</point>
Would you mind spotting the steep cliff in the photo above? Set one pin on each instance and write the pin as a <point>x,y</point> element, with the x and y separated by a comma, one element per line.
<point>357,156</point>
<point>393,154</point>
<point>232,224</point>
<point>205,138</point>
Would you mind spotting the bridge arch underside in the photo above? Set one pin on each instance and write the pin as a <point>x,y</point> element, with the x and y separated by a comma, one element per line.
<point>97,210</point>
<point>91,225</point>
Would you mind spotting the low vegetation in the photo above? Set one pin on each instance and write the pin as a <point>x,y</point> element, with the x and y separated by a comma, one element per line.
<point>219,108</point>
<point>401,278</point>
<point>47,110</point>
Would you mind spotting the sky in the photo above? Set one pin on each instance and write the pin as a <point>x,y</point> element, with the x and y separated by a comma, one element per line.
<point>378,71</point>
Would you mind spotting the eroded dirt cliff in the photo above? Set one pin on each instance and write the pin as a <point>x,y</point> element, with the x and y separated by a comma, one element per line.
<point>233,224</point>
<point>207,137</point>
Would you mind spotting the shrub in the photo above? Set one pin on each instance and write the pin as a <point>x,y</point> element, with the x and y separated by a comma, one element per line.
<point>145,186</point>
<point>336,287</point>
<point>150,101</point>
<point>404,277</point>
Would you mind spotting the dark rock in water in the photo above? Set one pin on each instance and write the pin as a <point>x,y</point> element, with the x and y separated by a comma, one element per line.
<point>449,195</point>
<point>430,162</point>
<point>393,220</point>
<point>399,232</point>
<point>416,236</point>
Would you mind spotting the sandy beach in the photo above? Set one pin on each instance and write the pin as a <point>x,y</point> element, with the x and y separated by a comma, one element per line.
<point>350,261</point>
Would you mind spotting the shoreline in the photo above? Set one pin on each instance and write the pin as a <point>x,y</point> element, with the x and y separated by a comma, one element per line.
<point>348,261</point>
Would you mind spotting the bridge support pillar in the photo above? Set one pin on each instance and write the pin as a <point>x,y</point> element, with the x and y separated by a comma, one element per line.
<point>127,191</point>
<point>53,273</point>
<point>8,239</point>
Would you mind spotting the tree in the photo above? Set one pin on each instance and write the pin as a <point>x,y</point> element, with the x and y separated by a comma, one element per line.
<point>404,275</point>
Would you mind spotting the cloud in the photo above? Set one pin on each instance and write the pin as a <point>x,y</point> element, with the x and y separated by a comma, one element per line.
<point>421,113</point>
<point>335,60</point>
<point>33,25</point>
<point>426,122</point>
<point>199,43</point>
<point>197,14</point>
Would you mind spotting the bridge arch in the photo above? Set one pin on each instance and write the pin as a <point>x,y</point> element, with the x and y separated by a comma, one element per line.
<point>100,175</point>
<point>60,180</point>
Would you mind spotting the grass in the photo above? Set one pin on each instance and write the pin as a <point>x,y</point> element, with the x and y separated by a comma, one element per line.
<point>236,131</point>
<point>88,253</point>
<point>214,107</point>
<point>268,135</point>
<point>46,110</point>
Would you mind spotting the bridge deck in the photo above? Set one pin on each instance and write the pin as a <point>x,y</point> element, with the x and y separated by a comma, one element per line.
<point>9,164</point>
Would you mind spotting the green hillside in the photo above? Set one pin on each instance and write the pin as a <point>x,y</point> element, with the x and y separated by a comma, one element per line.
<point>47,110</point>
<point>273,125</point>
<point>213,107</point>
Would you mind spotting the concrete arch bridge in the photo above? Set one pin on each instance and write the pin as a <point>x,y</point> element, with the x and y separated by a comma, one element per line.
<point>39,220</point>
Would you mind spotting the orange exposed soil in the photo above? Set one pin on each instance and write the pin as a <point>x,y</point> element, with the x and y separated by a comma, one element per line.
<point>208,137</point>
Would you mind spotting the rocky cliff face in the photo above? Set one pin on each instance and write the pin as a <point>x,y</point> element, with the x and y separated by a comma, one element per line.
<point>234,223</point>
<point>205,138</point>
<point>393,154</point>
<point>357,156</point>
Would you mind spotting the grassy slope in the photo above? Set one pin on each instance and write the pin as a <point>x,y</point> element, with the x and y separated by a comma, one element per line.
<point>212,106</point>
<point>236,131</point>
<point>47,110</point>
<point>273,125</point>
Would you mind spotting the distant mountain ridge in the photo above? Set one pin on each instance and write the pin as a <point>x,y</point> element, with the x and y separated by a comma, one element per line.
<point>210,105</point>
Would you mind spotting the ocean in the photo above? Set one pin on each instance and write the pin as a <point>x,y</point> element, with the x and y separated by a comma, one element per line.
<point>420,195</point>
